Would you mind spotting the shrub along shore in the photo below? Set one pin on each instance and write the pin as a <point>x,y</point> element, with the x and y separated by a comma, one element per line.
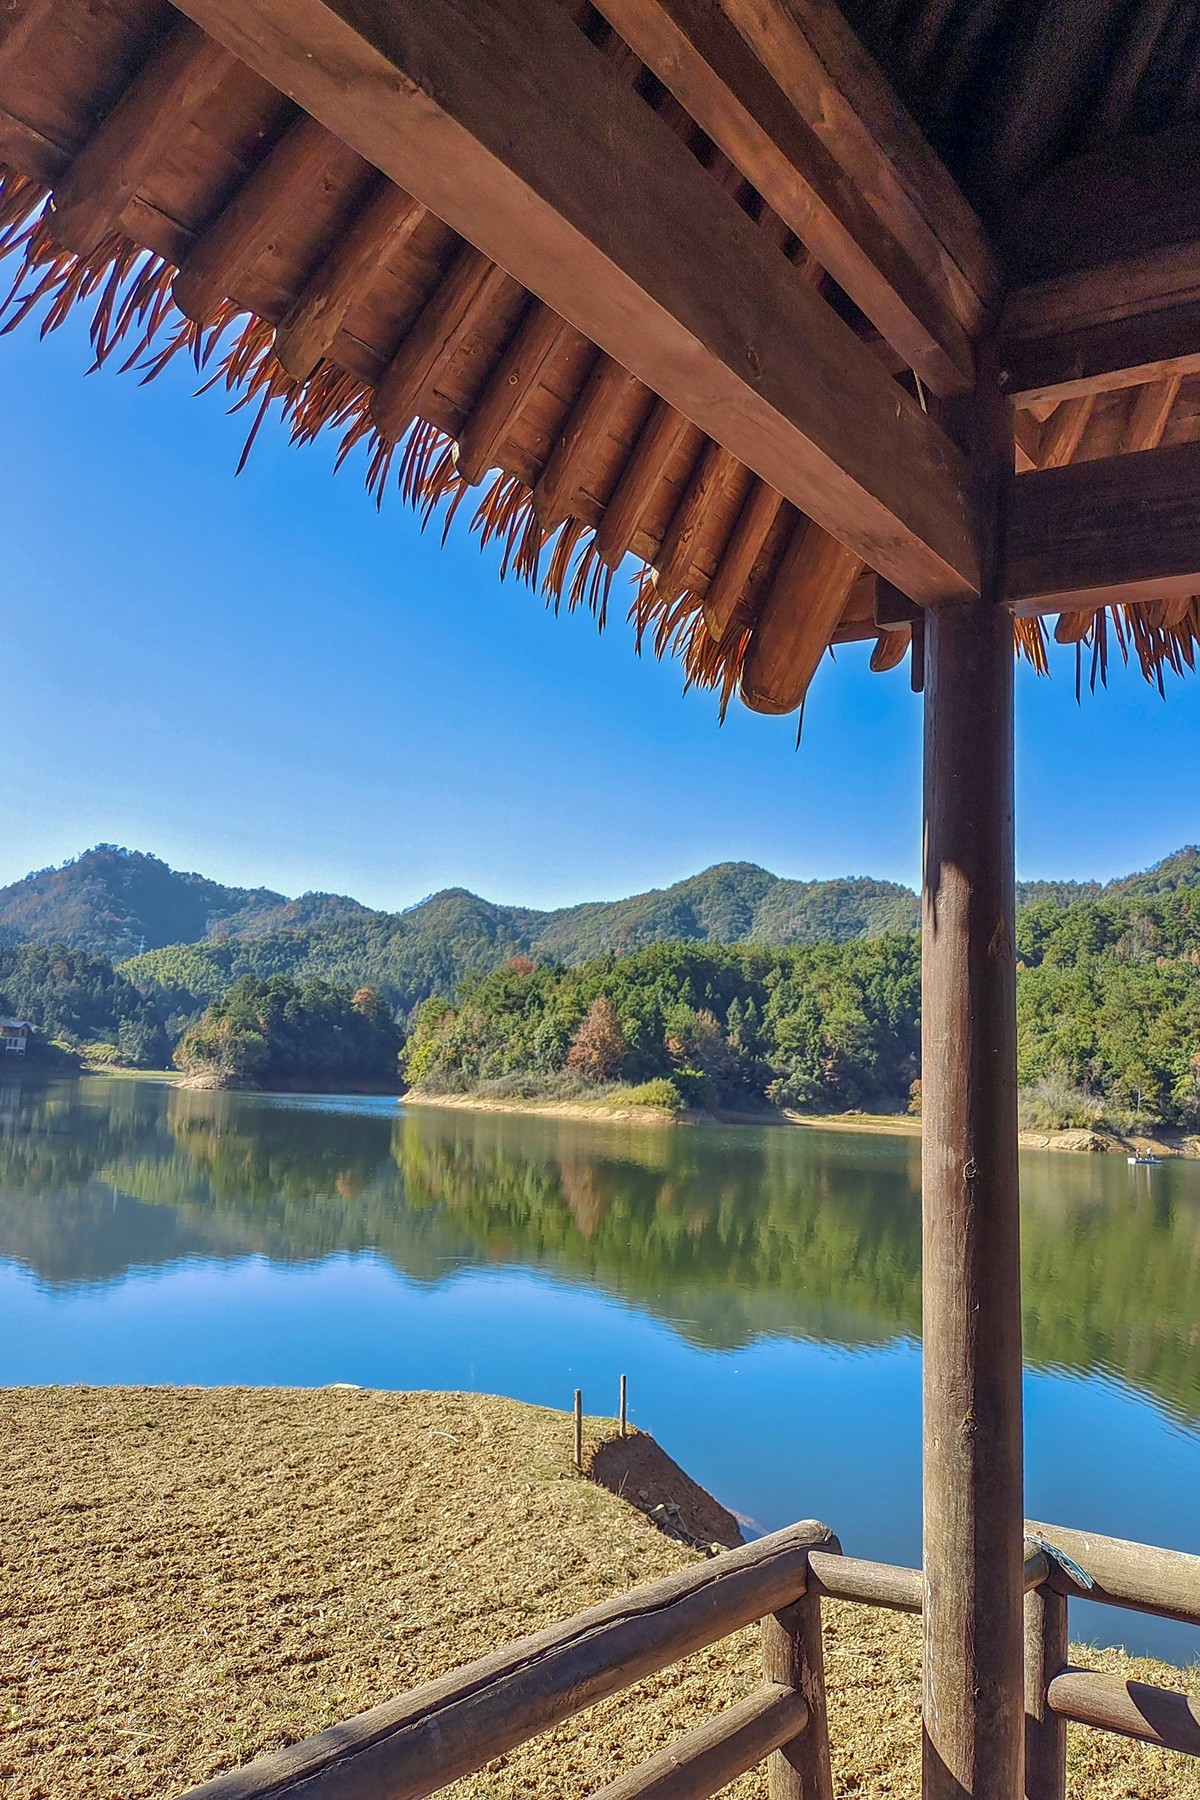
<point>192,1577</point>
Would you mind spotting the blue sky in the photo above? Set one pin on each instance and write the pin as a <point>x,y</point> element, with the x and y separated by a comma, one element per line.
<point>264,679</point>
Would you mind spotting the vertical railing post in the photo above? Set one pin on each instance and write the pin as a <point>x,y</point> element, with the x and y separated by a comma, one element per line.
<point>973,1739</point>
<point>792,1652</point>
<point>1045,1657</point>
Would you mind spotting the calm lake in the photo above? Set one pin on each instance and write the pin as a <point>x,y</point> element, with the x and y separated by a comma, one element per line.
<point>759,1287</point>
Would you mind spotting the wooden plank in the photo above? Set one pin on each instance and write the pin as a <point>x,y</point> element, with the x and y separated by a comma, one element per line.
<point>409,1747</point>
<point>971,1299</point>
<point>760,509</point>
<point>793,1653</point>
<point>808,593</point>
<point>380,231</point>
<point>1140,1576</point>
<point>1122,529</point>
<point>1152,407</point>
<point>849,1577</point>
<point>659,441</point>
<point>19,22</point>
<point>717,1752</point>
<point>695,49</point>
<point>1110,327</point>
<point>1063,432</point>
<point>608,388</point>
<point>276,191</point>
<point>471,284</point>
<point>537,339</point>
<point>1045,1658</point>
<point>823,69</point>
<point>160,101</point>
<point>1134,1709</point>
<point>498,116</point>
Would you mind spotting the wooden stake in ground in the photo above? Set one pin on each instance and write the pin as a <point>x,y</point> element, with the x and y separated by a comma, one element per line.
<point>624,1405</point>
<point>973,1707</point>
<point>579,1428</point>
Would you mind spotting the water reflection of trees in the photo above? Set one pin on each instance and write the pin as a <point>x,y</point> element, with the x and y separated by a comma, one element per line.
<point>727,1234</point>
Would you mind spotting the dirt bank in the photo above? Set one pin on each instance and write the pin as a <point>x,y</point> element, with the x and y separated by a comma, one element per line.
<point>189,1577</point>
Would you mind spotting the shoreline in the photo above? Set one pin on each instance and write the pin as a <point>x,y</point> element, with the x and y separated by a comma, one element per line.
<point>1073,1141</point>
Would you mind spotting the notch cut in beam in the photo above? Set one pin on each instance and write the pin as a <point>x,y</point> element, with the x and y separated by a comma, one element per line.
<point>1117,531</point>
<point>507,122</point>
<point>841,196</point>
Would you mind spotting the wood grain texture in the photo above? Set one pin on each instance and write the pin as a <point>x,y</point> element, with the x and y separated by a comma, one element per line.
<point>152,112</point>
<point>760,509</point>
<point>676,283</point>
<point>383,226</point>
<point>1120,529</point>
<point>471,286</point>
<point>973,1715</point>
<point>540,334</point>
<point>717,1752</point>
<point>278,189</point>
<point>1140,1576</point>
<point>808,594</point>
<point>837,87</point>
<point>1113,326</point>
<point>1045,1658</point>
<point>658,443</point>
<point>793,1654</point>
<point>1131,1708</point>
<point>409,1747</point>
<point>696,50</point>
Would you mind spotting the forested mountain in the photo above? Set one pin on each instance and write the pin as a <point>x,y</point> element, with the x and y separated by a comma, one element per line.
<point>733,981</point>
<point>109,900</point>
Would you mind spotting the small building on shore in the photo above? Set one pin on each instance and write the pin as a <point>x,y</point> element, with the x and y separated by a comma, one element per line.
<point>14,1037</point>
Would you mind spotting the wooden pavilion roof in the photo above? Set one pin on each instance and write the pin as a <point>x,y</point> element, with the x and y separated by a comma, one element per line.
<point>969,177</point>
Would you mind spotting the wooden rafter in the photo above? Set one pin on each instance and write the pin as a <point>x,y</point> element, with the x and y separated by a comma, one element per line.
<point>810,174</point>
<point>676,283</point>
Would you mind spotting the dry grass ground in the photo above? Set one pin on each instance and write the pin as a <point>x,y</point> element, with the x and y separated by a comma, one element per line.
<point>191,1577</point>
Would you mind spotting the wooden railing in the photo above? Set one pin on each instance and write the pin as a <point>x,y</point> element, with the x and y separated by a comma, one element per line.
<point>410,1747</point>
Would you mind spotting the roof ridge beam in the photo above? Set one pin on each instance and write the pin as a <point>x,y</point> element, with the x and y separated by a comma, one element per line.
<point>510,125</point>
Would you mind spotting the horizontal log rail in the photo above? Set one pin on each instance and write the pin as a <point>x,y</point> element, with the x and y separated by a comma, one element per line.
<point>1140,1577</point>
<point>408,1748</point>
<point>717,1752</point>
<point>1154,1715</point>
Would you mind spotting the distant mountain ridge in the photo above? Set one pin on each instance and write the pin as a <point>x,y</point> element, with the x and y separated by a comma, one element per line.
<point>109,900</point>
<point>114,902</point>
<point>200,935</point>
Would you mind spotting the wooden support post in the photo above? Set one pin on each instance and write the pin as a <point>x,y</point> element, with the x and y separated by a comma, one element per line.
<point>973,1706</point>
<point>624,1405</point>
<point>792,1653</point>
<point>578,1428</point>
<point>1045,1657</point>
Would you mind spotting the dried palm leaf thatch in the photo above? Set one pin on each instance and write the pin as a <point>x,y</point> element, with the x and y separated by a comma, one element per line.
<point>130,292</point>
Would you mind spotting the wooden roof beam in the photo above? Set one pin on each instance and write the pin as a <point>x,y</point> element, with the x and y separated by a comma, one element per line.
<point>1108,250</point>
<point>509,124</point>
<point>812,147</point>
<point>1120,530</point>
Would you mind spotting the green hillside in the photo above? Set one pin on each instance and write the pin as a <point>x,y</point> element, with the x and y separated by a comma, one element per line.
<point>109,900</point>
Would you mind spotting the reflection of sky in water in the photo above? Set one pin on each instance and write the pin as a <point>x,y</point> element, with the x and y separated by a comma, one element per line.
<point>757,1290</point>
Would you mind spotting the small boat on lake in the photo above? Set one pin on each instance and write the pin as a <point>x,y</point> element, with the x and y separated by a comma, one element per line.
<point>1150,1162</point>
